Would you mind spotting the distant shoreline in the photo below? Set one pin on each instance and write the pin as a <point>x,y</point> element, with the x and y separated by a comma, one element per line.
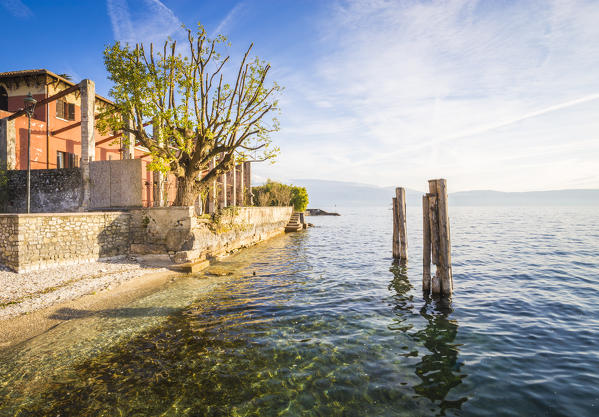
<point>330,194</point>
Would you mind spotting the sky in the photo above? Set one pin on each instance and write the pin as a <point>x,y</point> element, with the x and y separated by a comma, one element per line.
<point>500,95</point>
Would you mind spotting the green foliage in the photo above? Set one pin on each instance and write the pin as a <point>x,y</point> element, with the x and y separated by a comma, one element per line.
<point>200,117</point>
<point>299,199</point>
<point>276,194</point>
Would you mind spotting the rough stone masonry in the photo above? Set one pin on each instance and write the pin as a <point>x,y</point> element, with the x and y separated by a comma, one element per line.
<point>37,241</point>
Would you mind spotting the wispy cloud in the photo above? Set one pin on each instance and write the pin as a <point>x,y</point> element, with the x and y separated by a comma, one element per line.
<point>478,130</point>
<point>142,21</point>
<point>225,25</point>
<point>413,90</point>
<point>118,11</point>
<point>17,8</point>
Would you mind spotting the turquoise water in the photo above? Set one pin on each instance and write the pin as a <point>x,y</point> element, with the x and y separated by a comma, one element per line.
<point>321,323</point>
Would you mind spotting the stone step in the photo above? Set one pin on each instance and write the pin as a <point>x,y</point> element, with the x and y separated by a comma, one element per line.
<point>294,224</point>
<point>293,228</point>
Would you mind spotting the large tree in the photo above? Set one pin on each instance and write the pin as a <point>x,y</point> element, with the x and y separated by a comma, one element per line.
<point>201,117</point>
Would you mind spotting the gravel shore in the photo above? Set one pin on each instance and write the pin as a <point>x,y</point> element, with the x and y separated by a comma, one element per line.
<point>24,293</point>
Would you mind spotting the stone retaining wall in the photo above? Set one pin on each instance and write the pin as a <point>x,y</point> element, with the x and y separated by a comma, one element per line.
<point>151,227</point>
<point>9,253</point>
<point>188,238</point>
<point>37,241</point>
<point>235,228</point>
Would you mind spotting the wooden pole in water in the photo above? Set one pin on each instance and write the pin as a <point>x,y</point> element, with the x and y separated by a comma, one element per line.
<point>444,245</point>
<point>395,245</point>
<point>442,281</point>
<point>426,246</point>
<point>400,195</point>
<point>434,232</point>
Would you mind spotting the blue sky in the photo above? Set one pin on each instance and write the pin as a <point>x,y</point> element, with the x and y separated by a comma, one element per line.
<point>497,95</point>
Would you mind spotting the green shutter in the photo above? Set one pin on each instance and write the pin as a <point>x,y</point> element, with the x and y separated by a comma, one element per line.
<point>60,109</point>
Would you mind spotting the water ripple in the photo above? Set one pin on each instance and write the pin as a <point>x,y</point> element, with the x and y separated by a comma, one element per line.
<point>322,323</point>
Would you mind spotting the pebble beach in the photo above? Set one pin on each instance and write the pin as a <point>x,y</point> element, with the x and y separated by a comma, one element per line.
<point>27,292</point>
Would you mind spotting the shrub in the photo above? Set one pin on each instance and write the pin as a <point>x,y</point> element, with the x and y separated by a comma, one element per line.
<point>276,194</point>
<point>299,198</point>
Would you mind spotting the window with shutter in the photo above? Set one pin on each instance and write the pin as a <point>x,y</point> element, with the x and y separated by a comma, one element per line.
<point>71,114</point>
<point>60,108</point>
<point>60,159</point>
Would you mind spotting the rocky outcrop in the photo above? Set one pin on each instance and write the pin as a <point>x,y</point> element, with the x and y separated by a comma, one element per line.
<point>319,212</point>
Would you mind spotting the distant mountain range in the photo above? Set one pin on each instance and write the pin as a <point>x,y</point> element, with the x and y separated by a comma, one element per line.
<point>323,193</point>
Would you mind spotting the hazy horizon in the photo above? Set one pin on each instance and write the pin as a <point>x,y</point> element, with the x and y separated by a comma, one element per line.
<point>324,193</point>
<point>292,180</point>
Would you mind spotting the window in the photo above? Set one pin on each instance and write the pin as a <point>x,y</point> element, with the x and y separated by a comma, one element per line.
<point>3,99</point>
<point>60,159</point>
<point>66,160</point>
<point>65,110</point>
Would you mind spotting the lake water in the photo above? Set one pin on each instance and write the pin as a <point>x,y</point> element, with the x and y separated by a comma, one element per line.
<point>321,323</point>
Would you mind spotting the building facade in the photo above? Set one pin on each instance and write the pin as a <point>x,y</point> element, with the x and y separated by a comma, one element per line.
<point>64,135</point>
<point>55,126</point>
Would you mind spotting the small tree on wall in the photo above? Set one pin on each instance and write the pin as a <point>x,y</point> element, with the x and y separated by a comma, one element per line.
<point>202,118</point>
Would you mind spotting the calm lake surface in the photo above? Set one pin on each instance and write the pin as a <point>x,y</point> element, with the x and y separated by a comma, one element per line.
<point>328,326</point>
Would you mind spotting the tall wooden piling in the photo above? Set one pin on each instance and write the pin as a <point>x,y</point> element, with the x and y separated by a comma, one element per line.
<point>400,242</point>
<point>400,195</point>
<point>395,244</point>
<point>444,239</point>
<point>426,246</point>
<point>439,235</point>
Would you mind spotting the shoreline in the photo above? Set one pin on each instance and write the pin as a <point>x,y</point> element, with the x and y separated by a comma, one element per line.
<point>28,304</point>
<point>29,301</point>
<point>109,289</point>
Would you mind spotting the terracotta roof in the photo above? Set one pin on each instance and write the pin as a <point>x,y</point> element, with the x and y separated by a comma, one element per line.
<point>24,73</point>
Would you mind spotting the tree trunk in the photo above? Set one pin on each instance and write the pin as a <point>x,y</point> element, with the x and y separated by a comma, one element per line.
<point>187,190</point>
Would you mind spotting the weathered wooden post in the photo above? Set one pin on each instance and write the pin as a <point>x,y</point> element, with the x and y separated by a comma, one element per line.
<point>400,242</point>
<point>426,246</point>
<point>434,232</point>
<point>438,220</point>
<point>400,195</point>
<point>444,238</point>
<point>395,246</point>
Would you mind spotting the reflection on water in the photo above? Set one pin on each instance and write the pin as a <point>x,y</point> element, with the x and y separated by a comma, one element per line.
<point>318,324</point>
<point>438,369</point>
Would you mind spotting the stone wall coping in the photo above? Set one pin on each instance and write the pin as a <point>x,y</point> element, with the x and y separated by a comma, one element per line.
<point>102,213</point>
<point>67,214</point>
<point>164,208</point>
<point>260,207</point>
